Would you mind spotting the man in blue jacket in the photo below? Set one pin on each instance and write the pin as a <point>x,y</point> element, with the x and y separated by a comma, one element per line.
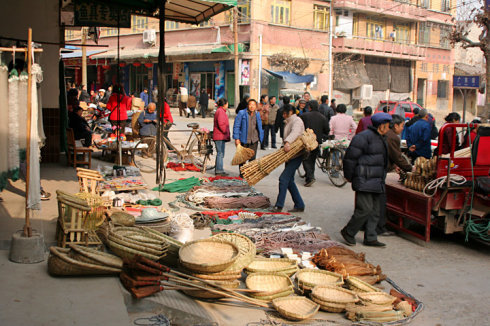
<point>420,134</point>
<point>247,129</point>
<point>145,97</point>
<point>365,165</point>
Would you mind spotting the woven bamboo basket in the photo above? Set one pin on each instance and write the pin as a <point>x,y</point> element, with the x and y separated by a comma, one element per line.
<point>268,282</point>
<point>287,272</point>
<point>127,253</point>
<point>172,257</point>
<point>61,264</point>
<point>352,307</point>
<point>378,298</point>
<point>140,236</point>
<point>122,218</point>
<point>245,246</point>
<point>216,276</point>
<point>135,245</point>
<point>334,294</point>
<point>270,297</point>
<point>208,255</point>
<point>203,294</point>
<point>94,256</point>
<point>329,306</point>
<point>273,265</point>
<point>309,278</point>
<point>356,285</point>
<point>295,307</point>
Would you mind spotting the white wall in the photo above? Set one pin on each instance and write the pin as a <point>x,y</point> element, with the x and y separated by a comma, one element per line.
<point>42,16</point>
<point>345,25</point>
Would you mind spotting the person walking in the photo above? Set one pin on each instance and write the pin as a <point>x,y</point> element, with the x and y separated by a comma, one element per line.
<point>365,122</point>
<point>418,140</point>
<point>183,97</point>
<point>221,134</point>
<point>203,102</point>
<point>294,129</point>
<point>145,97</point>
<point>318,123</point>
<point>118,105</point>
<point>247,129</point>
<point>279,123</point>
<point>191,104</point>
<point>269,126</point>
<point>263,109</point>
<point>342,126</point>
<point>325,109</point>
<point>333,105</point>
<point>365,163</point>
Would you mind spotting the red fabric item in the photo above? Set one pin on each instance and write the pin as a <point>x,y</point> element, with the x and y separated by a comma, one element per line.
<point>483,156</point>
<point>211,179</point>
<point>186,167</point>
<point>167,115</point>
<point>221,129</point>
<point>122,107</point>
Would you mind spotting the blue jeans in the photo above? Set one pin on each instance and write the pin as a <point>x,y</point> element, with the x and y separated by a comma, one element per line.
<point>272,130</point>
<point>220,154</point>
<point>286,182</point>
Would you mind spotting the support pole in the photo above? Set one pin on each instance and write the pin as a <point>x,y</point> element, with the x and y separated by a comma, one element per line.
<point>27,226</point>
<point>237,68</point>
<point>260,66</point>
<point>330,56</point>
<point>84,56</point>
<point>465,93</point>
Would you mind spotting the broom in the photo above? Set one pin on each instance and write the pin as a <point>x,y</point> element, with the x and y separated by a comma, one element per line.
<point>242,155</point>
<point>258,169</point>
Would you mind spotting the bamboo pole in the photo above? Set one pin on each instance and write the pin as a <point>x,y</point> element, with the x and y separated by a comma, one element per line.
<point>27,226</point>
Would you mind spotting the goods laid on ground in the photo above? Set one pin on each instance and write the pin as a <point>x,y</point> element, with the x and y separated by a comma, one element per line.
<point>258,169</point>
<point>295,307</point>
<point>308,278</point>
<point>271,285</point>
<point>208,255</point>
<point>182,185</point>
<point>128,242</point>
<point>425,171</point>
<point>273,265</point>
<point>246,247</point>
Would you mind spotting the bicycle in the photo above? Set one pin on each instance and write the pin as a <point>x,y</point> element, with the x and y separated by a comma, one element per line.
<point>198,150</point>
<point>330,161</point>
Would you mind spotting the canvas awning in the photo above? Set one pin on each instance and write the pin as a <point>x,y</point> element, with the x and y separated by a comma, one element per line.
<point>291,77</point>
<point>78,54</point>
<point>130,54</point>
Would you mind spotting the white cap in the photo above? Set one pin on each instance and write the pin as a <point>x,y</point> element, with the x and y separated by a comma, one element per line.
<point>102,90</point>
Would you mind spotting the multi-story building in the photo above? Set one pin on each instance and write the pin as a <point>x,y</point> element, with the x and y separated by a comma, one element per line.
<point>399,47</point>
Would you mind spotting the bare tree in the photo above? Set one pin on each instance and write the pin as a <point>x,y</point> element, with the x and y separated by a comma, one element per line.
<point>459,35</point>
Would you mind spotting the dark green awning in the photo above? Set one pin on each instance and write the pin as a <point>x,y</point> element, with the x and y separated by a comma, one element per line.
<point>229,48</point>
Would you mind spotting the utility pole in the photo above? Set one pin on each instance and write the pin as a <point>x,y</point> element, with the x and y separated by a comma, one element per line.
<point>237,68</point>
<point>330,56</point>
<point>260,65</point>
<point>84,56</point>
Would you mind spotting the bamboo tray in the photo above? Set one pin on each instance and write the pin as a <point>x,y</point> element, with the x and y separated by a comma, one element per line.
<point>295,307</point>
<point>309,278</point>
<point>208,255</point>
<point>261,264</point>
<point>93,256</point>
<point>273,295</point>
<point>356,285</point>
<point>268,282</point>
<point>245,246</point>
<point>61,264</point>
<point>379,298</point>
<point>329,306</point>
<point>334,294</point>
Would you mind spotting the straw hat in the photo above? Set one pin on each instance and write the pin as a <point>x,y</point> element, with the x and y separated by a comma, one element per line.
<point>242,155</point>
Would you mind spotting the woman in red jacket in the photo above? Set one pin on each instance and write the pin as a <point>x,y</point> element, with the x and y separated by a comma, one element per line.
<point>119,104</point>
<point>221,134</point>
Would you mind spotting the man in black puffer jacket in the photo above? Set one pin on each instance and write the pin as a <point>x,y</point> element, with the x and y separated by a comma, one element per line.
<point>365,165</point>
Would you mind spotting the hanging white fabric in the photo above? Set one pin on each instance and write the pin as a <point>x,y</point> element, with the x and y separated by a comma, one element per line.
<point>4,126</point>
<point>22,100</point>
<point>13,130</point>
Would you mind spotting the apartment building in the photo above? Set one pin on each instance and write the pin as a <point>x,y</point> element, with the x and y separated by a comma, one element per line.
<point>382,49</point>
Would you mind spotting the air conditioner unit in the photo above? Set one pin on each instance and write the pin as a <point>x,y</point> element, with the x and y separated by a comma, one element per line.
<point>149,36</point>
<point>365,92</point>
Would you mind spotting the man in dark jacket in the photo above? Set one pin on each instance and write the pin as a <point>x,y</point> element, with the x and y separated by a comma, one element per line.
<point>365,163</point>
<point>418,141</point>
<point>203,102</point>
<point>319,124</point>
<point>279,124</point>
<point>325,109</point>
<point>80,127</point>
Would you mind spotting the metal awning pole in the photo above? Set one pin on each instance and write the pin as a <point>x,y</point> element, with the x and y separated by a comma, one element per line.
<point>161,95</point>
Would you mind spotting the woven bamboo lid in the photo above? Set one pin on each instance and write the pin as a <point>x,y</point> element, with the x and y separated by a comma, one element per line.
<point>334,294</point>
<point>208,255</point>
<point>268,282</point>
<point>312,277</point>
<point>261,264</point>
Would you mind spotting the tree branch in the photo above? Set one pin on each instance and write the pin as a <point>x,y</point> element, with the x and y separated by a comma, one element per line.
<point>467,43</point>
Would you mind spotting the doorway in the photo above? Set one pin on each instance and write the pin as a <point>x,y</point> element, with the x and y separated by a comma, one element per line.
<point>421,87</point>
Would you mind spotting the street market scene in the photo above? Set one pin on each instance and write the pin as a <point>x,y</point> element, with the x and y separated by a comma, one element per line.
<point>245,162</point>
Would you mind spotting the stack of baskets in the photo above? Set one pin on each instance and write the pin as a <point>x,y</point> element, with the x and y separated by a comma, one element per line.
<point>126,242</point>
<point>269,285</point>
<point>308,278</point>
<point>375,307</point>
<point>78,260</point>
<point>357,285</point>
<point>333,298</point>
<point>211,259</point>
<point>274,265</point>
<point>295,307</point>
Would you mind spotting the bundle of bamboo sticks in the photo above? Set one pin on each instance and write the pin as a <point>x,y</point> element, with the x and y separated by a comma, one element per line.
<point>258,169</point>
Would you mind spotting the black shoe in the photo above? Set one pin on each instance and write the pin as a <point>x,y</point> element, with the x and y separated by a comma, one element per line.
<point>296,210</point>
<point>262,148</point>
<point>374,243</point>
<point>221,174</point>
<point>277,209</point>
<point>310,183</point>
<point>350,241</point>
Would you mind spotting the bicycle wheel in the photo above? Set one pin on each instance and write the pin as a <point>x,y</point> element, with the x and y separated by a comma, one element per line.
<point>202,154</point>
<point>301,171</point>
<point>143,160</point>
<point>335,169</point>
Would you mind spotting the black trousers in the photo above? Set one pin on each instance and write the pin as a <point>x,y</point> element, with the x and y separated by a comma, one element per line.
<point>204,109</point>
<point>85,137</point>
<point>309,164</point>
<point>253,146</point>
<point>382,215</point>
<point>366,213</point>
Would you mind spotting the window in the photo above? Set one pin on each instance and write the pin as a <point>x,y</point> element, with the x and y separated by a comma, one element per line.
<point>375,29</point>
<point>445,5</point>
<point>69,35</point>
<point>442,87</point>
<point>139,23</point>
<point>111,31</point>
<point>321,17</point>
<point>435,67</point>
<point>243,11</point>
<point>444,37</point>
<point>204,23</point>
<point>423,67</point>
<point>424,4</point>
<point>424,33</point>
<point>280,12</point>
<point>401,33</point>
<point>445,69</point>
<point>170,25</point>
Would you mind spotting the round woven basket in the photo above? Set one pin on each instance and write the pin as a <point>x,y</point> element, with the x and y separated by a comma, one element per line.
<point>270,297</point>
<point>129,253</point>
<point>245,246</point>
<point>221,276</point>
<point>295,307</point>
<point>261,264</point>
<point>329,306</point>
<point>94,256</point>
<point>203,294</point>
<point>379,298</point>
<point>357,285</point>
<point>334,294</point>
<point>268,282</point>
<point>287,272</point>
<point>208,255</point>
<point>61,264</point>
<point>309,278</point>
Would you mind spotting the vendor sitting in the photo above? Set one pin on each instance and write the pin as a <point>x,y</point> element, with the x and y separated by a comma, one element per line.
<point>148,126</point>
<point>80,126</point>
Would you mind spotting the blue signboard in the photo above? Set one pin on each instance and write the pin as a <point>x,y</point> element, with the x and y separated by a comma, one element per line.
<point>466,81</point>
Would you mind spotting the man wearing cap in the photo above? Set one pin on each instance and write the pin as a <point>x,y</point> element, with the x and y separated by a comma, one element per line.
<point>420,135</point>
<point>365,164</point>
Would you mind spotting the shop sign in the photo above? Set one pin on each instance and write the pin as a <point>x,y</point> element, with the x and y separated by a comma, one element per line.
<point>195,84</point>
<point>466,81</point>
<point>177,69</point>
<point>245,72</point>
<point>100,14</point>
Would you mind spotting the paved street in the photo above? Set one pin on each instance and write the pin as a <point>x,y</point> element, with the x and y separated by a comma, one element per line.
<point>448,275</point>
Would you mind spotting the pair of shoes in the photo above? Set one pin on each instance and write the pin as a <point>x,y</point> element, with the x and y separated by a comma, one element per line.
<point>221,174</point>
<point>349,240</point>
<point>277,209</point>
<point>45,195</point>
<point>374,243</point>
<point>387,233</point>
<point>296,210</point>
<point>310,183</point>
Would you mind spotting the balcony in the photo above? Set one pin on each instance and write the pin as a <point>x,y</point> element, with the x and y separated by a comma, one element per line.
<point>380,48</point>
<point>387,7</point>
